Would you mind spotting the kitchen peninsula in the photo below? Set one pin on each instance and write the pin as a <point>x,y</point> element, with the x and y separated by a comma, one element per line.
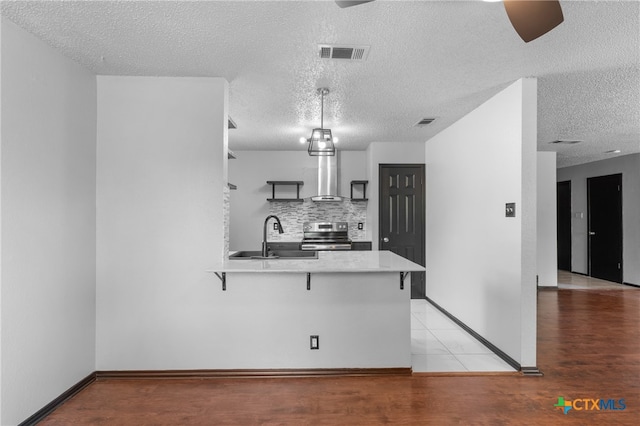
<point>356,302</point>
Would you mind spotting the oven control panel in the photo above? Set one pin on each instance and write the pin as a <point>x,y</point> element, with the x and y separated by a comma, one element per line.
<point>325,227</point>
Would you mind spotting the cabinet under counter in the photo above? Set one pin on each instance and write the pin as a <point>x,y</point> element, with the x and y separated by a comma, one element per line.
<point>284,245</point>
<point>361,245</point>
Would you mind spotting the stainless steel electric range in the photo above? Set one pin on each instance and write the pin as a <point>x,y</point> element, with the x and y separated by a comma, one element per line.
<point>325,236</point>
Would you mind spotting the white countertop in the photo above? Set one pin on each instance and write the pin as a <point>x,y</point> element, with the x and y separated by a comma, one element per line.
<point>327,262</point>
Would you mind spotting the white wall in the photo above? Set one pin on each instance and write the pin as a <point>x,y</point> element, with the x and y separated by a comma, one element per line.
<point>265,322</point>
<point>161,190</point>
<point>629,166</point>
<point>385,153</point>
<point>249,206</point>
<point>480,264</point>
<point>1,31</point>
<point>48,224</point>
<point>547,224</point>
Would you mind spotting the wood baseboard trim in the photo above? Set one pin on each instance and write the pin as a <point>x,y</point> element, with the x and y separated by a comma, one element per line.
<point>64,397</point>
<point>506,358</point>
<point>632,285</point>
<point>234,374</point>
<point>468,374</point>
<point>580,273</point>
<point>531,372</point>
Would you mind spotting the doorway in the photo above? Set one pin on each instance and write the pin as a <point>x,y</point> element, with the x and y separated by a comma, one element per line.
<point>604,201</point>
<point>402,216</point>
<point>563,218</point>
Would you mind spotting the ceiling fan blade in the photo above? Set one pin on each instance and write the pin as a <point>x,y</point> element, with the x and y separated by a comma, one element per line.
<point>533,18</point>
<point>348,3</point>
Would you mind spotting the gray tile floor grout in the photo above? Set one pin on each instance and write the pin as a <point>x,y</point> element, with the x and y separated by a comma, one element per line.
<point>440,345</point>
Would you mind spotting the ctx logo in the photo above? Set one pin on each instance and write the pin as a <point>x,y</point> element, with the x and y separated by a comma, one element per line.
<point>590,404</point>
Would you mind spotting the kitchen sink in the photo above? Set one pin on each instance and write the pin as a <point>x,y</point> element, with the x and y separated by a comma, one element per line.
<point>275,254</point>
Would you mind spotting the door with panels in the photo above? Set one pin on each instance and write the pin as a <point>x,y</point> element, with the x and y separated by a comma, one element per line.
<point>402,216</point>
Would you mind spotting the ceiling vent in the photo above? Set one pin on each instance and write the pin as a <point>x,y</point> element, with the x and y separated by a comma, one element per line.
<point>348,52</point>
<point>232,124</point>
<point>565,142</point>
<point>424,122</point>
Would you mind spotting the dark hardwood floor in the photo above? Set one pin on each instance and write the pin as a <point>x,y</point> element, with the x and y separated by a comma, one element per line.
<point>588,347</point>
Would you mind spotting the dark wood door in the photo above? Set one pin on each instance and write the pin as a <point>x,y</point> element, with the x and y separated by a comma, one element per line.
<point>563,216</point>
<point>604,199</point>
<point>402,218</point>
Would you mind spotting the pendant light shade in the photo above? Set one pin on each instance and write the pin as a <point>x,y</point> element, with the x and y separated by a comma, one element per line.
<point>321,142</point>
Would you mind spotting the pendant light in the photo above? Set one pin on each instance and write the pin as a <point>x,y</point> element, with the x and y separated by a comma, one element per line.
<point>321,142</point>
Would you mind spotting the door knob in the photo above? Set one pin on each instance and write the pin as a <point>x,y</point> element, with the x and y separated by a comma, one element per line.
<point>385,239</point>
<point>592,233</point>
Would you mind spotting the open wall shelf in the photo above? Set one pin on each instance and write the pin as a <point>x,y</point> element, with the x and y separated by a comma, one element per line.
<point>275,183</point>
<point>364,189</point>
<point>231,156</point>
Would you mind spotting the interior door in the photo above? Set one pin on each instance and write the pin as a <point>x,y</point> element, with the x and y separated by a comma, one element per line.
<point>563,218</point>
<point>604,199</point>
<point>402,217</point>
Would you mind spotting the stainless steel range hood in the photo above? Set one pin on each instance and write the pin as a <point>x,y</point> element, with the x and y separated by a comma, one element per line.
<point>327,179</point>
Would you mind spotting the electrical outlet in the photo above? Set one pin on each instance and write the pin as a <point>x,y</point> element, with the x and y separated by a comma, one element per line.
<point>510,210</point>
<point>275,226</point>
<point>315,342</point>
<point>360,226</point>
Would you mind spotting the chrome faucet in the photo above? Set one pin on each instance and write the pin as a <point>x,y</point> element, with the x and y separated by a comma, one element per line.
<point>265,247</point>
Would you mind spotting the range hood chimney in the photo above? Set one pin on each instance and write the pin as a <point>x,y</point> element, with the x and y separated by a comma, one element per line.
<point>327,179</point>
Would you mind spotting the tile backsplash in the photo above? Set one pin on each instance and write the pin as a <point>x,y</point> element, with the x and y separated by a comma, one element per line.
<point>293,214</point>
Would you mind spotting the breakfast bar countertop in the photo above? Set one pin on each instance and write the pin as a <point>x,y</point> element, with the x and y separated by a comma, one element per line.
<point>327,262</point>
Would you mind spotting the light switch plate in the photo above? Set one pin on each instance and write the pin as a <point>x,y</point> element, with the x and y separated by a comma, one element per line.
<point>510,210</point>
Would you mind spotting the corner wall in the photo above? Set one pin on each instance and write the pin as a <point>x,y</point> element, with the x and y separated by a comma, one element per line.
<point>48,224</point>
<point>480,264</point>
<point>629,166</point>
<point>162,203</point>
<point>547,247</point>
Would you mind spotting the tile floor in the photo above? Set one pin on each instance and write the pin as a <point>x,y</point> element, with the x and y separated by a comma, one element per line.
<point>569,281</point>
<point>440,345</point>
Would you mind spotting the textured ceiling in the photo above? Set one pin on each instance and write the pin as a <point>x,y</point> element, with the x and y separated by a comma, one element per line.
<point>427,59</point>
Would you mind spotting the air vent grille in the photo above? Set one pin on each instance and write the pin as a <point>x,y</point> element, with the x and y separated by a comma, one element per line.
<point>565,142</point>
<point>325,52</point>
<point>358,54</point>
<point>424,122</point>
<point>343,52</point>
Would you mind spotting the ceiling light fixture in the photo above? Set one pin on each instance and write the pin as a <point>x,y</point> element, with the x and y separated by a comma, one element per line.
<point>613,151</point>
<point>321,143</point>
